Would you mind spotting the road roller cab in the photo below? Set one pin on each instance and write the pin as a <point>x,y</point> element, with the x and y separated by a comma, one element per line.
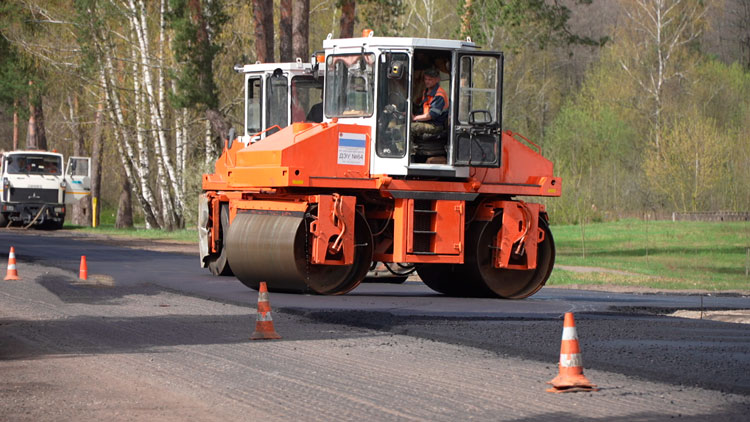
<point>378,82</point>
<point>310,206</point>
<point>279,94</point>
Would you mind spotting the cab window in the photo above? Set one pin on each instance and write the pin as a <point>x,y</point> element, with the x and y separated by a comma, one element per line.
<point>254,106</point>
<point>278,109</point>
<point>349,86</point>
<point>307,99</point>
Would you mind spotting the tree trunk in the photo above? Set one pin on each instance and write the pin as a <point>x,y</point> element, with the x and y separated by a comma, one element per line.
<point>347,18</point>
<point>167,179</point>
<point>220,126</point>
<point>300,28</point>
<point>124,218</point>
<point>124,149</point>
<point>80,216</point>
<point>466,19</point>
<point>15,125</point>
<point>286,53</point>
<point>97,144</point>
<point>263,16</point>
<point>36,137</point>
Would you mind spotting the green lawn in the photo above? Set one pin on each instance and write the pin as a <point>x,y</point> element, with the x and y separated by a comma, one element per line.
<point>660,254</point>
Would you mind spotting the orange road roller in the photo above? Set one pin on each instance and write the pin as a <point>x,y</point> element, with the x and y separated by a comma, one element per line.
<point>366,166</point>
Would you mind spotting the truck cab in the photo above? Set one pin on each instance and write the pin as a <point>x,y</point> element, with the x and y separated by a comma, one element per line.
<point>36,188</point>
<point>378,82</point>
<point>279,94</point>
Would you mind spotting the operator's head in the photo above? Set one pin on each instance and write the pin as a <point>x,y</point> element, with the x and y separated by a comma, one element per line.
<point>431,77</point>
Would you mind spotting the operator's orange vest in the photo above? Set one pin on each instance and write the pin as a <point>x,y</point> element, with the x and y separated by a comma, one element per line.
<point>428,99</point>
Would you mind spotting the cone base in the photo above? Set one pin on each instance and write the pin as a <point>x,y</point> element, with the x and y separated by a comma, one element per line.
<point>262,335</point>
<point>571,389</point>
<point>571,381</point>
<point>11,277</point>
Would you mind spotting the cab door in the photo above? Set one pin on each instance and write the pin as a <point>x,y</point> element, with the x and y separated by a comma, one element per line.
<point>478,112</point>
<point>77,179</point>
<point>390,155</point>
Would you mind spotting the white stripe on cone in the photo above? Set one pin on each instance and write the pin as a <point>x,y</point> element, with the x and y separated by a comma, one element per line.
<point>571,360</point>
<point>12,266</point>
<point>264,316</point>
<point>569,333</point>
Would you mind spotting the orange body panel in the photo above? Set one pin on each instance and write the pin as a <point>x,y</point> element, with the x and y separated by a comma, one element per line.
<point>308,155</point>
<point>306,164</point>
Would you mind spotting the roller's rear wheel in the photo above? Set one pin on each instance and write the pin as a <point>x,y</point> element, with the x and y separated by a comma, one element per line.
<point>502,282</point>
<point>218,264</point>
<point>275,249</point>
<point>477,277</point>
<point>450,279</point>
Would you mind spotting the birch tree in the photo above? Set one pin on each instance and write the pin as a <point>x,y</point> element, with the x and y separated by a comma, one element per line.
<point>656,38</point>
<point>424,16</point>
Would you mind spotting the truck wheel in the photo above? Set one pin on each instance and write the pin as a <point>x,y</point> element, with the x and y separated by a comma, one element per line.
<point>55,225</point>
<point>3,221</point>
<point>218,263</point>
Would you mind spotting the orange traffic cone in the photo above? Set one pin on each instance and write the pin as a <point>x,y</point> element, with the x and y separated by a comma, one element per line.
<point>571,365</point>
<point>12,273</point>
<point>264,324</point>
<point>83,272</point>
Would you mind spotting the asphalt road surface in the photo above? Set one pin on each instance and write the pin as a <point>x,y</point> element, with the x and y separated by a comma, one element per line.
<point>152,336</point>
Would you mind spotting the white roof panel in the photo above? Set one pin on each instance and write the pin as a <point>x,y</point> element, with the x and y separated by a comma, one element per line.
<point>396,42</point>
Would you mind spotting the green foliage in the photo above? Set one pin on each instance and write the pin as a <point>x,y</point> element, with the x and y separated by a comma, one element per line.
<point>597,152</point>
<point>691,163</point>
<point>537,23</point>
<point>16,69</point>
<point>14,81</point>
<point>195,47</point>
<point>382,16</point>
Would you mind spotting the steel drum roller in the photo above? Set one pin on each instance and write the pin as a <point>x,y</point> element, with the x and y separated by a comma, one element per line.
<point>272,248</point>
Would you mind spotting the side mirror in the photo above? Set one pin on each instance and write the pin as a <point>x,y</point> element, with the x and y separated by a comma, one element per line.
<point>231,136</point>
<point>480,117</point>
<point>396,70</point>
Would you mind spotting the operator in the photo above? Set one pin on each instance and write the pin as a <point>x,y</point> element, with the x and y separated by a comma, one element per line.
<point>433,104</point>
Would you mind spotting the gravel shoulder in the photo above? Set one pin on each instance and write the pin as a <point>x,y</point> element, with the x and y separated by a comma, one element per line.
<point>72,351</point>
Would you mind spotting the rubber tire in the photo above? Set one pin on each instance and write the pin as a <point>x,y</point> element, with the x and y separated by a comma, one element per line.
<point>3,221</point>
<point>388,280</point>
<point>442,278</point>
<point>504,283</point>
<point>218,264</point>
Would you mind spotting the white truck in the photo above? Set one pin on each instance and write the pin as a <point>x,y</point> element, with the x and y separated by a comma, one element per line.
<point>35,190</point>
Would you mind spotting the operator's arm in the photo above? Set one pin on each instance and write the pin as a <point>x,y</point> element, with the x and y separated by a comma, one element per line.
<point>436,109</point>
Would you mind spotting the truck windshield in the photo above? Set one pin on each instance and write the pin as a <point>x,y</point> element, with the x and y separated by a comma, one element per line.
<point>34,164</point>
<point>349,85</point>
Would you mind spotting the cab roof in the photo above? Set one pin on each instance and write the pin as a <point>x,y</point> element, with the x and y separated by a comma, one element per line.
<point>292,67</point>
<point>397,42</point>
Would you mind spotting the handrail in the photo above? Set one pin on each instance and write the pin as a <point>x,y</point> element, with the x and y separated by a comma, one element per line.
<point>265,130</point>
<point>538,148</point>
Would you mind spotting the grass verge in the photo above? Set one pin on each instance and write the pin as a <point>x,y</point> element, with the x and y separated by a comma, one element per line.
<point>183,235</point>
<point>659,254</point>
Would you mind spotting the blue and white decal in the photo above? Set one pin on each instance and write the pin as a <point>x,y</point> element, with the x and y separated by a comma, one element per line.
<point>352,147</point>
